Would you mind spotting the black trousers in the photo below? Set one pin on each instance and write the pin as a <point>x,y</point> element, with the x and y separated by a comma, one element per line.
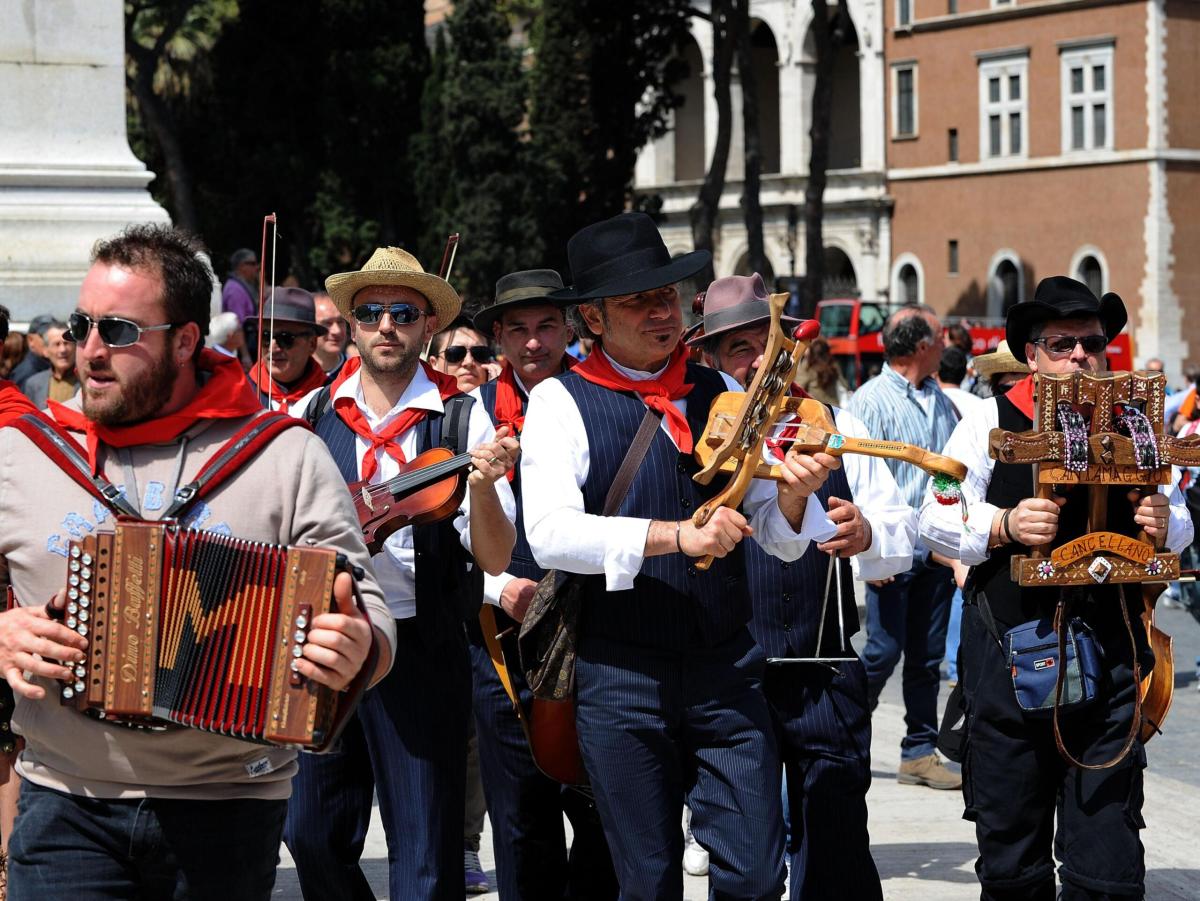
<point>1015,784</point>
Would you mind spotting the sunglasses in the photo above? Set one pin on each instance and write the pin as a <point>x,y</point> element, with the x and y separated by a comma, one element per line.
<point>401,313</point>
<point>480,353</point>
<point>1064,344</point>
<point>114,331</point>
<point>284,340</point>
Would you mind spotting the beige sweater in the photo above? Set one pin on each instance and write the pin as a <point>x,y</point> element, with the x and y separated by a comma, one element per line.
<point>291,493</point>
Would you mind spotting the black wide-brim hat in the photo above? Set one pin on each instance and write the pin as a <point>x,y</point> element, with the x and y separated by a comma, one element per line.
<point>623,255</point>
<point>1060,297</point>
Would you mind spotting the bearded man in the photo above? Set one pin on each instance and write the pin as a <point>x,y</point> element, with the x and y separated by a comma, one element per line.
<point>109,811</point>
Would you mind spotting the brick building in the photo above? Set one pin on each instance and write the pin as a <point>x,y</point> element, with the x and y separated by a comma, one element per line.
<point>1028,138</point>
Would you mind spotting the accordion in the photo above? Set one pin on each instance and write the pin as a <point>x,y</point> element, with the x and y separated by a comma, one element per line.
<point>201,630</point>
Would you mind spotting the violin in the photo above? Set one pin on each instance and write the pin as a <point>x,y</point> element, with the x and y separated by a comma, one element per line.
<point>429,488</point>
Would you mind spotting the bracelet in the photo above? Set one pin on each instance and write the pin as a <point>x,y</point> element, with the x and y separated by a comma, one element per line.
<point>678,544</point>
<point>1004,525</point>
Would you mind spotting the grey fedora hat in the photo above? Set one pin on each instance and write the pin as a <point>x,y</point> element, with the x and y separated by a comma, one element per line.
<point>290,305</point>
<point>529,287</point>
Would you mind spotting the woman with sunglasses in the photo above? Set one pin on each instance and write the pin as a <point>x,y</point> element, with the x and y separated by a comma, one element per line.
<point>465,353</point>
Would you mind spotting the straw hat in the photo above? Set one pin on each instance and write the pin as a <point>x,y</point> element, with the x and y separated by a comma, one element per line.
<point>390,266</point>
<point>998,361</point>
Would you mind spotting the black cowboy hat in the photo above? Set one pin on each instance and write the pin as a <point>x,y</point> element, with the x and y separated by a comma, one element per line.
<point>527,288</point>
<point>1060,297</point>
<point>623,255</point>
<point>291,305</point>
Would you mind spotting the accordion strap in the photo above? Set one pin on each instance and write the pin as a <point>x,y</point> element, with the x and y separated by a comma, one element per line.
<point>56,443</point>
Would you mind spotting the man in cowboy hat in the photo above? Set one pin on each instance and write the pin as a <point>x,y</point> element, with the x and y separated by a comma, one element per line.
<point>286,371</point>
<point>819,709</point>
<point>407,745</point>
<point>1013,778</point>
<point>667,678</point>
<point>525,806</point>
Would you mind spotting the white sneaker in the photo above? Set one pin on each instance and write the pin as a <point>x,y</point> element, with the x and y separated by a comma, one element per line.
<point>695,858</point>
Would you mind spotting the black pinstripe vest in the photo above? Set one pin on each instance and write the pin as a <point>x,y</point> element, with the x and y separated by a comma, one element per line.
<point>672,605</point>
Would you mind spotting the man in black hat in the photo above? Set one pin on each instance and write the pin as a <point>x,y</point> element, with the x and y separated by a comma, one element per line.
<point>1014,781</point>
<point>815,684</point>
<point>668,678</point>
<point>286,370</point>
<point>525,806</point>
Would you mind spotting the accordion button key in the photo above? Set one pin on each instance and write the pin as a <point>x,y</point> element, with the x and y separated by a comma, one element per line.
<point>75,552</point>
<point>87,559</point>
<point>297,651</point>
<point>82,630</point>
<point>68,692</point>
<point>72,622</point>
<point>73,580</point>
<point>72,607</point>
<point>74,566</point>
<point>79,686</point>
<point>85,603</point>
<point>301,621</point>
<point>73,594</point>
<point>83,616</point>
<point>85,587</point>
<point>85,573</point>
<point>300,636</point>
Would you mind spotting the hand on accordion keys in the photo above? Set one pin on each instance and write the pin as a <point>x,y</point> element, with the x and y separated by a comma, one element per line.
<point>31,641</point>
<point>338,643</point>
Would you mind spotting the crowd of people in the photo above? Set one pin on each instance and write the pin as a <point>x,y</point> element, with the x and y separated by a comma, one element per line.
<point>730,691</point>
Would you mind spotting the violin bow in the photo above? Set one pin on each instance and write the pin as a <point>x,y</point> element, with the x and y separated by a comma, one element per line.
<point>271,222</point>
<point>448,256</point>
<point>761,407</point>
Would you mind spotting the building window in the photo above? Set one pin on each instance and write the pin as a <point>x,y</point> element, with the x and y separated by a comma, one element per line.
<point>1087,94</point>
<point>952,265</point>
<point>1003,107</point>
<point>954,145</point>
<point>1090,272</point>
<point>904,100</point>
<point>903,13</point>
<point>909,284</point>
<point>1004,284</point>
<point>951,7</point>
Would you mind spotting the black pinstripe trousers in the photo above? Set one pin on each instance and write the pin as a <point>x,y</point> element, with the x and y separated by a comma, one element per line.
<point>658,728</point>
<point>407,744</point>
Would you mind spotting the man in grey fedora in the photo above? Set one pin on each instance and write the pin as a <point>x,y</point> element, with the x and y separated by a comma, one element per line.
<point>526,807</point>
<point>668,679</point>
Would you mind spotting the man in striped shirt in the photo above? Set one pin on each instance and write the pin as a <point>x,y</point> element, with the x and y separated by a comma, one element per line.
<point>908,614</point>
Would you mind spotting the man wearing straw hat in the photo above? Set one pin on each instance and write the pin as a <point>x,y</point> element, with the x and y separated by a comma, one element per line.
<point>667,679</point>
<point>815,684</point>
<point>407,744</point>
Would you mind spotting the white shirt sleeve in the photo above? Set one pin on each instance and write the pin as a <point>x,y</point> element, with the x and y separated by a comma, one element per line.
<point>873,490</point>
<point>479,430</point>
<point>494,585</point>
<point>1180,528</point>
<point>940,525</point>
<point>554,467</point>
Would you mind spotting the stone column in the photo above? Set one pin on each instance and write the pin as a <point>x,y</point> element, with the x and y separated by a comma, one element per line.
<point>67,175</point>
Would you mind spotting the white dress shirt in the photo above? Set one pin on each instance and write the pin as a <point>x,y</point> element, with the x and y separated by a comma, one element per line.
<point>941,526</point>
<point>394,565</point>
<point>554,466</point>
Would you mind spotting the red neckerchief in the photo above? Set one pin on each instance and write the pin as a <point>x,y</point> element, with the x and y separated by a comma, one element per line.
<point>225,395</point>
<point>313,378</point>
<point>13,404</point>
<point>656,393</point>
<point>1021,395</point>
<point>510,404</point>
<point>352,416</point>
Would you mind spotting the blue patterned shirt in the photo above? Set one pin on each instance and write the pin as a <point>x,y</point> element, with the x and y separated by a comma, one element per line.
<point>891,409</point>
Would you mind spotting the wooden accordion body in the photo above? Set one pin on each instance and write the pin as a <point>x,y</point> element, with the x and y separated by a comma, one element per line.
<point>198,629</point>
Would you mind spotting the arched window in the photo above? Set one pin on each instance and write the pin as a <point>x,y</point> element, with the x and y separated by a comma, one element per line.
<point>910,284</point>
<point>845,127</point>
<point>1091,273</point>
<point>1004,288</point>
<point>765,57</point>
<point>689,116</point>
<point>840,279</point>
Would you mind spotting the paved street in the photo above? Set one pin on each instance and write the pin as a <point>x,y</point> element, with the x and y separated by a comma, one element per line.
<point>923,848</point>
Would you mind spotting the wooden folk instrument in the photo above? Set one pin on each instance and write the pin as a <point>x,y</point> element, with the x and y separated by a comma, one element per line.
<point>811,431</point>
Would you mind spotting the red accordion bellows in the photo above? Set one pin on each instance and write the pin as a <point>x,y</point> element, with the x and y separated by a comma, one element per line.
<point>200,630</point>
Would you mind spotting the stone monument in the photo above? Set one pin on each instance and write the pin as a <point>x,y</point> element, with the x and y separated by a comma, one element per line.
<point>67,175</point>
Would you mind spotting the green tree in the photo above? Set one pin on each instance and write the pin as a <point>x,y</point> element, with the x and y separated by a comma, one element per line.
<point>471,160</point>
<point>601,89</point>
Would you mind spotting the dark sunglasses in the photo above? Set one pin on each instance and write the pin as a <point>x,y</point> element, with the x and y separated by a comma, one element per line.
<point>480,353</point>
<point>1064,344</point>
<point>284,340</point>
<point>401,313</point>
<point>114,331</point>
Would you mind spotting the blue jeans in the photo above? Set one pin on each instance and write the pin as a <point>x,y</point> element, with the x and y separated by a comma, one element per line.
<point>953,634</point>
<point>909,616</point>
<point>87,849</point>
